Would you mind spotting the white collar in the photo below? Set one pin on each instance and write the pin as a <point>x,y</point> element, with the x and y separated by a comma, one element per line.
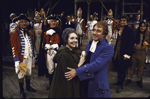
<point>93,46</point>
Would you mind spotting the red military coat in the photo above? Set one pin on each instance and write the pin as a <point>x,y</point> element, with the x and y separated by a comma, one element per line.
<point>83,24</point>
<point>50,39</point>
<point>18,44</point>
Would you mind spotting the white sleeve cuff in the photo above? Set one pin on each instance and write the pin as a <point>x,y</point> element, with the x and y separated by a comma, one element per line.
<point>47,46</point>
<point>126,56</point>
<point>55,46</point>
<point>17,63</point>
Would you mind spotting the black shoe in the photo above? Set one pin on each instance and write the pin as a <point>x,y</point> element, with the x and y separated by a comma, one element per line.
<point>128,81</point>
<point>139,83</point>
<point>48,87</point>
<point>22,95</point>
<point>30,89</point>
<point>119,89</point>
<point>116,83</point>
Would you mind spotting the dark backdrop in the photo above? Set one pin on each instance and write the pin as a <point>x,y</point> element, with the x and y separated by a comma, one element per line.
<point>21,6</point>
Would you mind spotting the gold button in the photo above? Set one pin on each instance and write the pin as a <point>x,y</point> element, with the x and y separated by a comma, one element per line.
<point>97,89</point>
<point>88,74</point>
<point>103,92</point>
<point>84,66</point>
<point>107,89</point>
<point>86,71</point>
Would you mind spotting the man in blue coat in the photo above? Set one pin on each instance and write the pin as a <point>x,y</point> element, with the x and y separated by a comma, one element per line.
<point>98,55</point>
<point>123,51</point>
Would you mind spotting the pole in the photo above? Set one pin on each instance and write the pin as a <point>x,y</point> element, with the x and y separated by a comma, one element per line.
<point>75,8</point>
<point>101,12</point>
<point>141,9</point>
<point>88,12</point>
<point>122,7</point>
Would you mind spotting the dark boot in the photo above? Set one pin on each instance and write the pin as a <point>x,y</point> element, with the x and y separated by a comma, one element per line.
<point>139,83</point>
<point>50,80</point>
<point>22,94</point>
<point>28,87</point>
<point>128,81</point>
<point>116,83</point>
<point>119,88</point>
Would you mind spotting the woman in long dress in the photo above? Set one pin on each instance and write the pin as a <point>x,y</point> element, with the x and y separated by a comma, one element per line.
<point>65,57</point>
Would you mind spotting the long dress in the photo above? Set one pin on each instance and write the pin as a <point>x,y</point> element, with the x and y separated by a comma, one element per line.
<point>42,69</point>
<point>60,87</point>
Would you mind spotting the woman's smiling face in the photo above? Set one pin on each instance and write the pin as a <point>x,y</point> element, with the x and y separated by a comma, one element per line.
<point>72,40</point>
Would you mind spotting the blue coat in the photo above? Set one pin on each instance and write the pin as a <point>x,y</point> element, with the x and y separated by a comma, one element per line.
<point>96,70</point>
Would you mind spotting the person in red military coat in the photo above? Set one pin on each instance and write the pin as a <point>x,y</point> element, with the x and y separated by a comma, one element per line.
<point>51,43</point>
<point>22,49</point>
<point>79,26</point>
<point>111,26</point>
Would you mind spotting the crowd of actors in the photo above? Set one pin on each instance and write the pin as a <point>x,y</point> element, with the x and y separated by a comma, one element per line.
<point>52,43</point>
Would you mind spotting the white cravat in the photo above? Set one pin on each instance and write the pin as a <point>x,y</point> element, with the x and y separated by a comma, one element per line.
<point>93,46</point>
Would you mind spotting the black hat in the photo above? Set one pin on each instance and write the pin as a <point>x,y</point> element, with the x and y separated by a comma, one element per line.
<point>52,16</point>
<point>124,16</point>
<point>21,16</point>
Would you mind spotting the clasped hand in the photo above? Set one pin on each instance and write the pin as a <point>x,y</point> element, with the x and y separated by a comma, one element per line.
<point>71,74</point>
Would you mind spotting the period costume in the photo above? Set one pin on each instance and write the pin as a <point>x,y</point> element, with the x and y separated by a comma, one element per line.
<point>80,27</point>
<point>42,69</point>
<point>38,32</point>
<point>98,55</point>
<point>111,27</point>
<point>51,42</point>
<point>60,87</point>
<point>139,55</point>
<point>22,49</point>
<point>89,27</point>
<point>123,49</point>
<point>20,44</point>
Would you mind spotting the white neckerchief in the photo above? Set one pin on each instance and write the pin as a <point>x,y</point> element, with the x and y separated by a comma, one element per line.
<point>93,46</point>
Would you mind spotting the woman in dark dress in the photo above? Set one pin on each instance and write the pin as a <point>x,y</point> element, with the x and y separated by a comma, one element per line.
<point>42,69</point>
<point>65,57</point>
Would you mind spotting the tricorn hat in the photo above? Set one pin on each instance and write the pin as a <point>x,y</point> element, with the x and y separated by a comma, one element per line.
<point>21,16</point>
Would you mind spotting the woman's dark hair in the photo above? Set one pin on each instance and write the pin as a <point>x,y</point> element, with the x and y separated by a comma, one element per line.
<point>137,40</point>
<point>142,22</point>
<point>66,40</point>
<point>66,33</point>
